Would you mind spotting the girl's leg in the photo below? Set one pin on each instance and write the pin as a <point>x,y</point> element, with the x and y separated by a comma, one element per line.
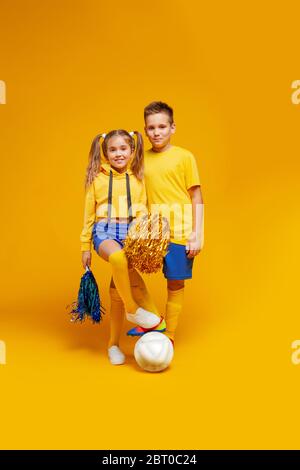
<point>140,292</point>
<point>111,251</point>
<point>144,299</point>
<point>116,356</point>
<point>117,313</point>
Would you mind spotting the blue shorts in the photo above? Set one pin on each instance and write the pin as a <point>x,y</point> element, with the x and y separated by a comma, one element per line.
<point>177,265</point>
<point>112,231</point>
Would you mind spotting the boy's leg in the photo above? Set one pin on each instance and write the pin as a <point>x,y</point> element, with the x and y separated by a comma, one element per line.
<point>174,306</point>
<point>177,268</point>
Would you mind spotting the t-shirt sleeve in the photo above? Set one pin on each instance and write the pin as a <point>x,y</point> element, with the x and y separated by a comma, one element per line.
<point>89,218</point>
<point>142,205</point>
<point>191,171</point>
<point>144,194</point>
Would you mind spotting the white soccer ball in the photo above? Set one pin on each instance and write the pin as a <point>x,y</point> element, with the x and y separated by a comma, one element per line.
<point>153,351</point>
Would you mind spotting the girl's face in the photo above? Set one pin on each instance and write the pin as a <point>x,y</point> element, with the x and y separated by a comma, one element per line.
<point>118,153</point>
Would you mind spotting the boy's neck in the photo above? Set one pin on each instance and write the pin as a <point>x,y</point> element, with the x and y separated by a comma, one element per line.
<point>162,149</point>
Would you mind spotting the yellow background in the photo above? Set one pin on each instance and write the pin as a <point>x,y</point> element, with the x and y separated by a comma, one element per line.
<point>73,69</point>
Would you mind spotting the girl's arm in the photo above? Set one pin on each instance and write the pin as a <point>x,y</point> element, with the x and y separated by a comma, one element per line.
<point>89,218</point>
<point>196,239</point>
<point>141,208</point>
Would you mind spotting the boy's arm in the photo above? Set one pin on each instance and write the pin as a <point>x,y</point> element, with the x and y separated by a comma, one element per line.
<point>196,239</point>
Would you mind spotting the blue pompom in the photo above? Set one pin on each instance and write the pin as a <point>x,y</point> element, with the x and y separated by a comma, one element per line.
<point>88,302</point>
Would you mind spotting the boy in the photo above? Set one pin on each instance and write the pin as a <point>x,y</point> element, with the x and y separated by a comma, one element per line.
<point>173,188</point>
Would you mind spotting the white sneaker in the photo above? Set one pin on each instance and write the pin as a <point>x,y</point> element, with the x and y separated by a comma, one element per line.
<point>143,318</point>
<point>115,355</point>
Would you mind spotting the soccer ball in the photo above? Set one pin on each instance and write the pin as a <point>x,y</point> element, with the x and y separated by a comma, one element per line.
<point>153,351</point>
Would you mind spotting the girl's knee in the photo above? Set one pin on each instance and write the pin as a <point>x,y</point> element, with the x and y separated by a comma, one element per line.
<point>175,284</point>
<point>118,258</point>
<point>108,248</point>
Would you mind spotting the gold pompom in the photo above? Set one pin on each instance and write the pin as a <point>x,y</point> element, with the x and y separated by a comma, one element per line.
<point>146,243</point>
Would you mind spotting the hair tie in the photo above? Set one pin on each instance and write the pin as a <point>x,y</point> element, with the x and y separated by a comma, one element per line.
<point>103,135</point>
<point>131,133</point>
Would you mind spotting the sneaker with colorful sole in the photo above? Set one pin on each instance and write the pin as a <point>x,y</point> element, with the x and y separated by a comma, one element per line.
<point>139,331</point>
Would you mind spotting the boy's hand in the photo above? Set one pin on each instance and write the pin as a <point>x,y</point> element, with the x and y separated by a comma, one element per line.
<point>193,246</point>
<point>86,259</point>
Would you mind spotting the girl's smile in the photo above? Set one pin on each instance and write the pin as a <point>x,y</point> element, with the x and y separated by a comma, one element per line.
<point>118,153</point>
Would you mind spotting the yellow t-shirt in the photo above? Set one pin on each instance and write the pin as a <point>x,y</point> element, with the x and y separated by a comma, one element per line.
<point>168,176</point>
<point>96,200</point>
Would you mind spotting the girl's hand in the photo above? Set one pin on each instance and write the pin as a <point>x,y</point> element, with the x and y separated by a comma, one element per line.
<point>193,246</point>
<point>86,259</point>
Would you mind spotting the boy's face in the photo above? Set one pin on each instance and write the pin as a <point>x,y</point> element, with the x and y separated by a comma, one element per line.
<point>159,130</point>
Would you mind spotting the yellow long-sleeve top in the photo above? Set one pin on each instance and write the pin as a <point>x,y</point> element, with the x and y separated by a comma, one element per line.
<point>96,200</point>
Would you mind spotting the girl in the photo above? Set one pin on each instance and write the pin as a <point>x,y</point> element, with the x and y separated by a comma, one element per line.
<point>115,195</point>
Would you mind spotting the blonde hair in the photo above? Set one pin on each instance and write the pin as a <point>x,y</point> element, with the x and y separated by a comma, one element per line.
<point>94,165</point>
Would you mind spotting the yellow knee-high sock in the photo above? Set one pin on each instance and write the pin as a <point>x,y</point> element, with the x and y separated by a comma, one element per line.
<point>140,292</point>
<point>173,309</point>
<point>117,314</point>
<point>119,265</point>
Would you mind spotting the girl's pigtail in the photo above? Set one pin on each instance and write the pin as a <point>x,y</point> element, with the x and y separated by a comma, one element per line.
<point>137,165</point>
<point>94,161</point>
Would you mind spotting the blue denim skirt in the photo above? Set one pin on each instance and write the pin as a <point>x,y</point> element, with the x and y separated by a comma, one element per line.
<point>109,231</point>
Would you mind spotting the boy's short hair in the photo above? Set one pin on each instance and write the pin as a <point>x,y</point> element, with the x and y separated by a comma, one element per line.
<point>158,107</point>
